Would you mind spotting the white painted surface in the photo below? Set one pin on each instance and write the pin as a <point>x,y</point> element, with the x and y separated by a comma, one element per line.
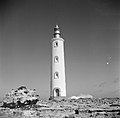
<point>58,67</point>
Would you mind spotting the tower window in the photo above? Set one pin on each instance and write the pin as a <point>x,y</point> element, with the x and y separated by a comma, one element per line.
<point>56,59</point>
<point>56,76</point>
<point>56,44</point>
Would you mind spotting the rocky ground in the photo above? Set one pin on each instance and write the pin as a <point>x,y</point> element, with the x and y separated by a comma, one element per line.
<point>24,103</point>
<point>67,108</point>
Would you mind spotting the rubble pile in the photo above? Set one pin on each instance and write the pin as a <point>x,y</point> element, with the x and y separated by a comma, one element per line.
<point>20,98</point>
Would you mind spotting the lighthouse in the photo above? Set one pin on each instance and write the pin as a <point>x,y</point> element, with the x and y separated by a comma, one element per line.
<point>58,82</point>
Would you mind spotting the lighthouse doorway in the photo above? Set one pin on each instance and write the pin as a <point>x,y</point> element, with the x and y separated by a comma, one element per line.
<point>56,92</point>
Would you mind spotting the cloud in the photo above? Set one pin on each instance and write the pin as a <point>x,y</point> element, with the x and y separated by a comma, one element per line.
<point>102,84</point>
<point>108,8</point>
<point>116,80</point>
<point>117,91</point>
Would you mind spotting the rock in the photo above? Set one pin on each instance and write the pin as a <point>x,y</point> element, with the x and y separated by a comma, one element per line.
<point>20,97</point>
<point>76,111</point>
<point>81,96</point>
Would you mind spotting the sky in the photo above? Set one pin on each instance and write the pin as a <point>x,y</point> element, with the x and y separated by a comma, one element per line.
<point>91,30</point>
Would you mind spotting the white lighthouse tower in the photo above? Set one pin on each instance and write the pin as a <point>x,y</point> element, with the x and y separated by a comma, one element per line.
<point>58,83</point>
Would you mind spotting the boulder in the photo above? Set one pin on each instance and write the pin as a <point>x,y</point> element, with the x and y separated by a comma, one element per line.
<point>20,97</point>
